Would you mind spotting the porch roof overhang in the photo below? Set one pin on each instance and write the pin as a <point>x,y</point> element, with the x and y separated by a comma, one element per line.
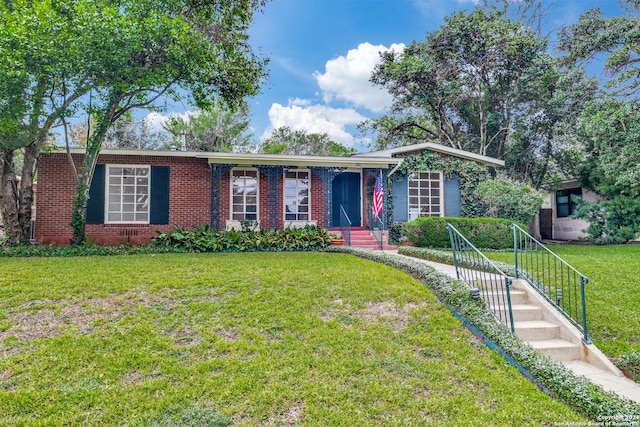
<point>301,161</point>
<point>437,148</point>
<point>248,159</point>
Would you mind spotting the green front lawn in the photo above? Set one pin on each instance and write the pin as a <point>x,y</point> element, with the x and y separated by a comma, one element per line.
<point>613,292</point>
<point>249,339</point>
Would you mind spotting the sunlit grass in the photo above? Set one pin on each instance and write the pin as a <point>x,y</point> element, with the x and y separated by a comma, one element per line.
<point>260,338</point>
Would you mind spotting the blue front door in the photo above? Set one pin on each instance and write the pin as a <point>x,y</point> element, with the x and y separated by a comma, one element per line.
<point>346,192</point>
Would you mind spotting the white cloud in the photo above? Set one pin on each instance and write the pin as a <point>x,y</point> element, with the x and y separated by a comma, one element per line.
<point>300,102</point>
<point>315,119</point>
<point>346,78</point>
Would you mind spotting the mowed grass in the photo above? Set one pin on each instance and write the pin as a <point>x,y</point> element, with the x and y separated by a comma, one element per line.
<point>309,339</point>
<point>613,292</point>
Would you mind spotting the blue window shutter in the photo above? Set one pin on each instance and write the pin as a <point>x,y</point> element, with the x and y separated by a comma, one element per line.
<point>159,205</point>
<point>95,205</point>
<point>452,197</point>
<point>400,190</point>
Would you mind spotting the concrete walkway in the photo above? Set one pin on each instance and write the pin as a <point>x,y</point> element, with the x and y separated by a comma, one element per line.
<point>614,381</point>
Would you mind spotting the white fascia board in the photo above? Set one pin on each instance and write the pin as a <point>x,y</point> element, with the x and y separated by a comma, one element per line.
<point>300,161</point>
<point>438,148</point>
<point>259,159</point>
<point>161,153</point>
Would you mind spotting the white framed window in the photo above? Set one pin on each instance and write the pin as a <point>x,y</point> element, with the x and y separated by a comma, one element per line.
<point>244,194</point>
<point>127,194</point>
<point>297,195</point>
<point>425,194</point>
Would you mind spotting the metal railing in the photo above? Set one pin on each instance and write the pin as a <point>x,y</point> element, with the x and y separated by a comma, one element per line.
<point>376,227</point>
<point>345,226</point>
<point>561,284</point>
<point>484,278</point>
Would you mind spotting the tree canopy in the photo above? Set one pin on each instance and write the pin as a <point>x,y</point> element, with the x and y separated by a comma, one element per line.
<point>609,126</point>
<point>617,38</point>
<point>484,83</point>
<point>461,82</point>
<point>219,128</point>
<point>38,49</point>
<point>284,140</point>
<point>144,50</point>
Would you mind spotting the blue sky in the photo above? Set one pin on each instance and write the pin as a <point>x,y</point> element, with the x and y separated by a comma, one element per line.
<point>322,53</point>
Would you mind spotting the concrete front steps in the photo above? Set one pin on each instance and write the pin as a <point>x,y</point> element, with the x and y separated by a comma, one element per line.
<point>540,325</point>
<point>362,238</point>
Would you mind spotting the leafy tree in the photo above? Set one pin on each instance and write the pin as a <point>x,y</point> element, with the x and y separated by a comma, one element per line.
<point>126,133</point>
<point>38,49</point>
<point>485,84</point>
<point>543,148</point>
<point>505,198</point>
<point>217,129</point>
<point>458,87</point>
<point>610,130</point>
<point>79,133</point>
<point>617,38</point>
<point>143,50</point>
<point>284,140</point>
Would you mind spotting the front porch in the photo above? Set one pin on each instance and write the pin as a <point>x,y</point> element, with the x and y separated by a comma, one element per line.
<point>300,191</point>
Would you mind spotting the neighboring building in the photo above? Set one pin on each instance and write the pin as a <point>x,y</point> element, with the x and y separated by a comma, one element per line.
<point>136,193</point>
<point>555,216</point>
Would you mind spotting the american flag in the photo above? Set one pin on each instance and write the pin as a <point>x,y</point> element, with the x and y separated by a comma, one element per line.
<point>378,197</point>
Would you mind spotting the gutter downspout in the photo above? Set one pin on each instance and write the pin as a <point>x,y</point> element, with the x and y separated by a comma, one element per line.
<point>395,169</point>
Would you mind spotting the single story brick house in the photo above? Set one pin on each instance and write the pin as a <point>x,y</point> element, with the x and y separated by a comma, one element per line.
<point>136,193</point>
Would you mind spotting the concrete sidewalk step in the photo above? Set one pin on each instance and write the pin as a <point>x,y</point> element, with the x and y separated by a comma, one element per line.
<point>557,349</point>
<point>521,312</point>
<point>620,385</point>
<point>536,330</point>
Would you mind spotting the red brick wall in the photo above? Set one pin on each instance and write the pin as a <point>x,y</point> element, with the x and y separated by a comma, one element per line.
<point>317,201</point>
<point>189,199</point>
<point>189,202</point>
<point>317,198</point>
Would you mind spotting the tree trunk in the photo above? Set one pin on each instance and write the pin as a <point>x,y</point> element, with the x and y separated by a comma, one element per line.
<point>16,202</point>
<point>26,193</point>
<point>94,144</point>
<point>80,199</point>
<point>9,199</point>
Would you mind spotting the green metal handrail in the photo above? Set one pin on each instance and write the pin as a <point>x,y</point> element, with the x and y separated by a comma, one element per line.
<point>484,278</point>
<point>376,227</point>
<point>558,282</point>
<point>345,226</point>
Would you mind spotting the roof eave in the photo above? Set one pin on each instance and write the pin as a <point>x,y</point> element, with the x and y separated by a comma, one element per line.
<point>438,148</point>
<point>246,159</point>
<point>308,161</point>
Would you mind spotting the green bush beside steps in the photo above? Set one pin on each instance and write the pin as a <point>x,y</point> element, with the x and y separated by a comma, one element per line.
<point>484,233</point>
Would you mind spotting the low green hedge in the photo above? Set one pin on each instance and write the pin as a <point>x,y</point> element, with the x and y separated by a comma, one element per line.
<point>589,398</point>
<point>200,239</point>
<point>446,257</point>
<point>484,233</point>
<point>204,239</point>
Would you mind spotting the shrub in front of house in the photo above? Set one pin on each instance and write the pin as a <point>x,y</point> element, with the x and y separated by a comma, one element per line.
<point>200,239</point>
<point>395,232</point>
<point>484,233</point>
<point>204,239</point>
